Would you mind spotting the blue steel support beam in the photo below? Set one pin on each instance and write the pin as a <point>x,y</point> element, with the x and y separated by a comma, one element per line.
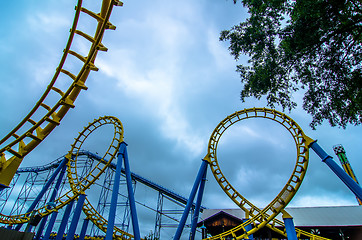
<point>50,226</point>
<point>198,206</point>
<point>29,228</point>
<point>113,207</point>
<point>142,180</point>
<point>76,215</point>
<point>248,228</point>
<point>84,229</point>
<point>51,200</point>
<point>289,226</point>
<point>41,227</point>
<point>59,181</point>
<point>182,222</point>
<point>64,222</point>
<point>45,188</point>
<point>348,181</point>
<point>134,176</point>
<point>136,229</point>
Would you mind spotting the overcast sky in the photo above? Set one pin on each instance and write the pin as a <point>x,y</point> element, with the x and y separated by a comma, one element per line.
<point>170,81</point>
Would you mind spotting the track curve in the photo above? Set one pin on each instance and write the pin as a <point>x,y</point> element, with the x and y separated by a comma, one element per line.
<point>261,217</point>
<point>79,186</point>
<point>46,115</point>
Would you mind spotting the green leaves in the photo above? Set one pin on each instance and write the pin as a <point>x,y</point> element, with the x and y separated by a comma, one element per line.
<point>310,44</point>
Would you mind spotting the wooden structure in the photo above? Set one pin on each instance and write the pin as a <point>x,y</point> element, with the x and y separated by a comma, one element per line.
<point>337,223</point>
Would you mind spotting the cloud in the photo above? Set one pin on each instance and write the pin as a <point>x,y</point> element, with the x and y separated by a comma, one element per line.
<point>170,81</point>
<point>322,200</point>
<point>155,84</point>
<point>48,22</point>
<point>217,49</point>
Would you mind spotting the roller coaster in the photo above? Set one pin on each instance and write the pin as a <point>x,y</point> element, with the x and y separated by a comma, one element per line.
<point>166,206</point>
<point>70,178</point>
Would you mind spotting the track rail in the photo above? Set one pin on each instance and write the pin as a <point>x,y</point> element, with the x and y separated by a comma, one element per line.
<point>46,115</point>
<point>261,217</point>
<point>79,187</point>
<point>172,196</point>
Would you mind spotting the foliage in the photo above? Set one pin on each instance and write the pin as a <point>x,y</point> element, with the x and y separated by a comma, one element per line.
<point>308,45</point>
<point>150,236</point>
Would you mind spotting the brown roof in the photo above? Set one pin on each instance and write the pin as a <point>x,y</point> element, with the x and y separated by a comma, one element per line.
<point>306,216</point>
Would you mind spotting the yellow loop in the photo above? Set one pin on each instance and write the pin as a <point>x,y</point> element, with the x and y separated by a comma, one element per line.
<point>78,185</point>
<point>260,217</point>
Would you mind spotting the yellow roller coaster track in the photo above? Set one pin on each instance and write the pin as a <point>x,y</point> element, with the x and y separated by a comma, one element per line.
<point>79,186</point>
<point>261,217</point>
<point>45,116</point>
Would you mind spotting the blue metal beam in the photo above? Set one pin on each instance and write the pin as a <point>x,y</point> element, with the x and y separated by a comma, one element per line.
<point>84,229</point>
<point>348,181</point>
<point>134,176</point>
<point>198,205</point>
<point>182,222</point>
<point>49,229</point>
<point>64,222</point>
<point>132,203</point>
<point>45,188</point>
<point>289,226</point>
<point>113,208</point>
<point>76,215</point>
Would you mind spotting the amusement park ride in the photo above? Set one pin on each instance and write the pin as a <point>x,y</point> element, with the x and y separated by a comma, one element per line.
<point>83,169</point>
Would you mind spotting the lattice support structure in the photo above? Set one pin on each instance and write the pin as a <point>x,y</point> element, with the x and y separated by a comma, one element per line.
<point>168,208</point>
<point>158,220</point>
<point>26,190</point>
<point>5,194</point>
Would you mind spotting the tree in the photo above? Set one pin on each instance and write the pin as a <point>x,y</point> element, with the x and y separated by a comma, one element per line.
<point>150,236</point>
<point>312,46</point>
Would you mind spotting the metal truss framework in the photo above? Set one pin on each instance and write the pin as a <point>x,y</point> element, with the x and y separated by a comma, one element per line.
<point>167,208</point>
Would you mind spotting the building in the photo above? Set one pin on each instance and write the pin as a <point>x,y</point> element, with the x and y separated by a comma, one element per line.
<point>342,222</point>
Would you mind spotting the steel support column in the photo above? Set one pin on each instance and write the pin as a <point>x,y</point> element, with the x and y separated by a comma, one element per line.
<point>113,208</point>
<point>64,222</point>
<point>197,182</point>
<point>45,188</point>
<point>84,229</point>
<point>198,206</point>
<point>248,228</point>
<point>348,181</point>
<point>51,200</point>
<point>136,229</point>
<point>289,226</point>
<point>49,229</point>
<point>76,215</point>
<point>41,227</point>
<point>157,231</point>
